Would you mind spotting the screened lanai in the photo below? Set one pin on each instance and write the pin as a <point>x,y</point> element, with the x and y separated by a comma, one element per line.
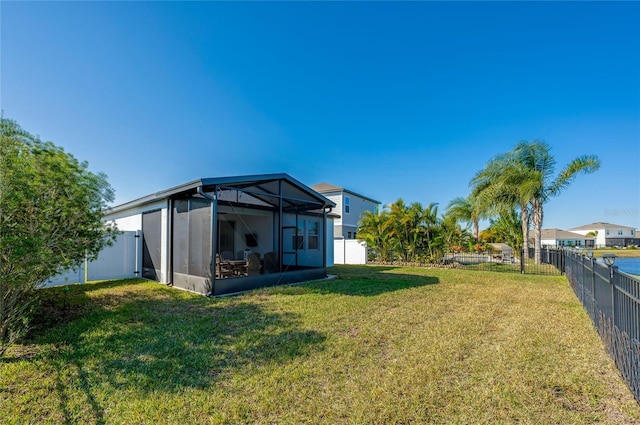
<point>238,233</point>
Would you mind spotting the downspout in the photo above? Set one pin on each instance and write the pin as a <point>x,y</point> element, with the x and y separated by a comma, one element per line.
<point>280,224</point>
<point>169,243</point>
<point>213,234</point>
<point>326,237</point>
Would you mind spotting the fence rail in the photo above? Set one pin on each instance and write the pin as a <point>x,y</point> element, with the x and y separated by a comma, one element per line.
<point>552,261</point>
<point>612,300</point>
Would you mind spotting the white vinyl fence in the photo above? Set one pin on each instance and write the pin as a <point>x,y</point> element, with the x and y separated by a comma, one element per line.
<point>118,261</point>
<point>349,251</point>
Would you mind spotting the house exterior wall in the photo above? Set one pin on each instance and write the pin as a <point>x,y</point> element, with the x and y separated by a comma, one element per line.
<point>611,235</point>
<point>307,255</point>
<point>347,224</point>
<point>328,234</point>
<point>563,242</point>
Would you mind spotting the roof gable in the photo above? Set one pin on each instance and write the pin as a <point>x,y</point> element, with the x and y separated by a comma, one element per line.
<point>561,234</point>
<point>601,225</point>
<point>327,188</point>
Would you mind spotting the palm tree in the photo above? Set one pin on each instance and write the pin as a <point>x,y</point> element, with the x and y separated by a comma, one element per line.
<point>412,227</point>
<point>535,160</point>
<point>506,228</point>
<point>401,227</point>
<point>374,229</point>
<point>525,174</point>
<point>467,210</point>
<point>500,188</point>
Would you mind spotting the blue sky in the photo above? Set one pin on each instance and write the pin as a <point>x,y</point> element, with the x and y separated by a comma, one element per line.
<point>391,100</point>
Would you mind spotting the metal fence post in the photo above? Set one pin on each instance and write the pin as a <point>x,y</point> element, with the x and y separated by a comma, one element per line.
<point>612,271</point>
<point>522,261</point>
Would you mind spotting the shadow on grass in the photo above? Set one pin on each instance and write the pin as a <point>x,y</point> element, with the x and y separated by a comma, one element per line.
<point>363,281</point>
<point>158,339</point>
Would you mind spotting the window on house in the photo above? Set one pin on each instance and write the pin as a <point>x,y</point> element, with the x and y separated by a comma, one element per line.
<point>348,235</point>
<point>298,237</point>
<point>619,232</point>
<point>313,231</point>
<point>607,232</point>
<point>347,204</point>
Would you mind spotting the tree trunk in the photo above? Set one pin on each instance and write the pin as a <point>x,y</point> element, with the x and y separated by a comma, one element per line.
<point>476,230</point>
<point>524,218</point>
<point>537,228</point>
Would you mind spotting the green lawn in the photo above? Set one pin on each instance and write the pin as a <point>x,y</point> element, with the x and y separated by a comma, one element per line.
<point>376,345</point>
<point>627,253</point>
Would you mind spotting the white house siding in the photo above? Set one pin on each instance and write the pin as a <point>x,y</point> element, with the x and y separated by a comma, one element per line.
<point>563,242</point>
<point>307,256</point>
<point>329,236</point>
<point>606,231</point>
<point>348,222</point>
<point>358,206</point>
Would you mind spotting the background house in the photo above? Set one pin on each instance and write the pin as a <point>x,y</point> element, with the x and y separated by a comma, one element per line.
<point>555,238</point>
<point>349,205</point>
<point>608,234</point>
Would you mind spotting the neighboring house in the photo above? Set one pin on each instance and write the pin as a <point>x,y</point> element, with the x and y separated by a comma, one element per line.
<point>350,205</point>
<point>217,236</point>
<point>608,234</point>
<point>555,238</point>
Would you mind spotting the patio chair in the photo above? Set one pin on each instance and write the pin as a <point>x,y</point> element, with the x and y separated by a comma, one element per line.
<point>270,262</point>
<point>253,264</point>
<point>223,268</point>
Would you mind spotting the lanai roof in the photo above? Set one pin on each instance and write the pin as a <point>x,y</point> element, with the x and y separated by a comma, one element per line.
<point>264,187</point>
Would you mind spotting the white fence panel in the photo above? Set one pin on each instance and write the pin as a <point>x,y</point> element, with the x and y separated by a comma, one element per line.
<point>67,277</point>
<point>118,261</point>
<point>349,251</point>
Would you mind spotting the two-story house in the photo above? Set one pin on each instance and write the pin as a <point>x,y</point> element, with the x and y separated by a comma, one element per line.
<point>608,234</point>
<point>350,205</point>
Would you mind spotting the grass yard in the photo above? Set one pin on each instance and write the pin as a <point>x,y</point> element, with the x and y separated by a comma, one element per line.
<point>375,345</point>
<point>626,253</point>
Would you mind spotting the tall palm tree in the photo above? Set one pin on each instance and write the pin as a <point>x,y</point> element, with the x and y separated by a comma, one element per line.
<point>534,160</point>
<point>500,188</point>
<point>467,210</point>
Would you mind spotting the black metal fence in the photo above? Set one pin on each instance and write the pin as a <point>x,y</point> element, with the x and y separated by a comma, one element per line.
<point>612,299</point>
<point>552,261</point>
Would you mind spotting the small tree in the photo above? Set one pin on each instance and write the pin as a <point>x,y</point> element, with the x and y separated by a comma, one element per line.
<point>50,219</point>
